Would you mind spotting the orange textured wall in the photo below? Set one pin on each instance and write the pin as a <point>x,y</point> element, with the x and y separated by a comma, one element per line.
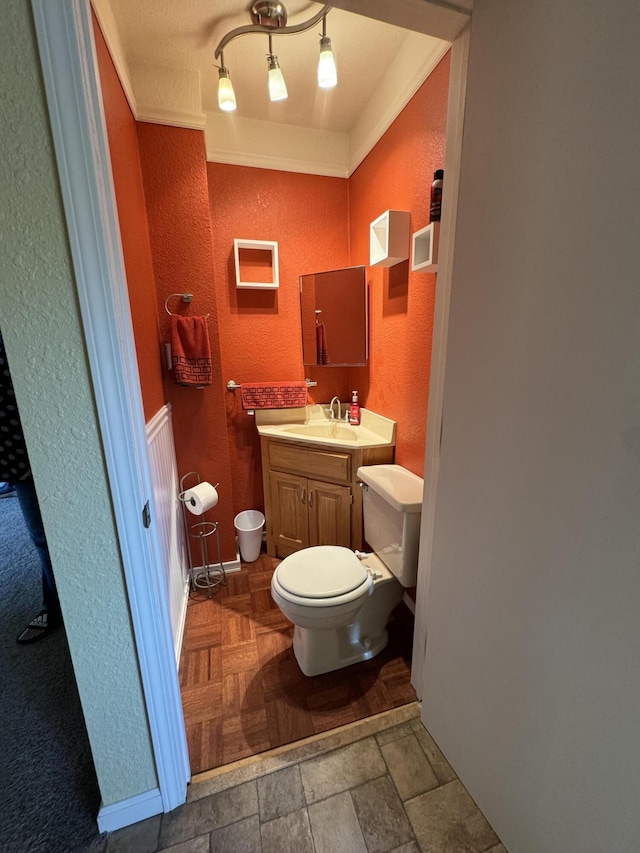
<point>127,178</point>
<point>260,333</point>
<point>175,184</point>
<point>397,175</point>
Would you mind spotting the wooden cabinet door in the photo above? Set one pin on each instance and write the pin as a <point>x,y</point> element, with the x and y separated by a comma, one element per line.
<point>329,514</point>
<point>289,513</point>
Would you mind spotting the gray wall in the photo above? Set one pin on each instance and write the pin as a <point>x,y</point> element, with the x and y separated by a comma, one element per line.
<point>532,674</point>
<point>41,326</point>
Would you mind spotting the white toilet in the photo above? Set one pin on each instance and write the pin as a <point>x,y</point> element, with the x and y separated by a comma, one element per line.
<point>339,602</point>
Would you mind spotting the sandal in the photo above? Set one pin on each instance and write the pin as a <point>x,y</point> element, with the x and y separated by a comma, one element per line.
<point>36,629</point>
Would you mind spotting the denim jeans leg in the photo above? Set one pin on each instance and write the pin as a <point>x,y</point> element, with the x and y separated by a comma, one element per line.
<point>31,512</point>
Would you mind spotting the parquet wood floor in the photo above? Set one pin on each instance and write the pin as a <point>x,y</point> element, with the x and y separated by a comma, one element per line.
<point>242,690</point>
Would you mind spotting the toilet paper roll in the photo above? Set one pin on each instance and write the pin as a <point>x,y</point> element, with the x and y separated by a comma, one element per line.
<point>200,498</point>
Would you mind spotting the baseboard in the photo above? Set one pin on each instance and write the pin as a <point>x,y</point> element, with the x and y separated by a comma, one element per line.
<point>233,565</point>
<point>230,566</point>
<point>133,810</point>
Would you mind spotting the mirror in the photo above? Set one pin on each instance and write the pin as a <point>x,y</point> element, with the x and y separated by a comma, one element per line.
<point>334,318</point>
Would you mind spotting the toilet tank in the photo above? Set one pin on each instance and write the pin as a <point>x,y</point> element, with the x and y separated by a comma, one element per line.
<point>391,506</point>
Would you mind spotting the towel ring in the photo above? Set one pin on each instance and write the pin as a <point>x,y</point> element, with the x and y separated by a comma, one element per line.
<point>186,297</point>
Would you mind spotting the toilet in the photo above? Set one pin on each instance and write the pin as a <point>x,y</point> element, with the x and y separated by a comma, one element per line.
<point>340,601</point>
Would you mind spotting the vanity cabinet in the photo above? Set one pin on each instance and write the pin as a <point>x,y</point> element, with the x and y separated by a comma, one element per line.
<point>310,494</point>
<point>308,512</point>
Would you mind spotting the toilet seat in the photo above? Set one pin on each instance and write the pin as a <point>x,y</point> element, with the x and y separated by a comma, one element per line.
<point>322,576</point>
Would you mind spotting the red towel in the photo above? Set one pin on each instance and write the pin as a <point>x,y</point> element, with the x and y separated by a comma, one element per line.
<point>190,351</point>
<point>273,395</point>
<point>322,352</point>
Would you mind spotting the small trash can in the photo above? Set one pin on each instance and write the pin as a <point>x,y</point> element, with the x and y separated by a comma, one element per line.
<point>249,526</point>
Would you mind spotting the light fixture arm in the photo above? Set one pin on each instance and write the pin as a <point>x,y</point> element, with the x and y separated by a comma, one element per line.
<point>258,28</point>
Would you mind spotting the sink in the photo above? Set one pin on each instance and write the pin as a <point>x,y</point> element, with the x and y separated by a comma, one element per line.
<point>310,425</point>
<point>328,430</point>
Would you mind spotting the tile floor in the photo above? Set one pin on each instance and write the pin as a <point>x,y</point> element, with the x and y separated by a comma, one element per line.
<point>375,786</point>
<point>242,690</point>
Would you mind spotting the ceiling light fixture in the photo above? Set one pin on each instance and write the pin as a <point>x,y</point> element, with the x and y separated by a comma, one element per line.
<point>277,86</point>
<point>226,95</point>
<point>269,16</point>
<point>327,74</point>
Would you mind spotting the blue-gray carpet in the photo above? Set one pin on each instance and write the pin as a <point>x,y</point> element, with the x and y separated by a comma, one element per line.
<point>50,798</point>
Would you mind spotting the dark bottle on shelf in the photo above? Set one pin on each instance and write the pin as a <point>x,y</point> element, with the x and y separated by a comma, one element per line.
<point>435,206</point>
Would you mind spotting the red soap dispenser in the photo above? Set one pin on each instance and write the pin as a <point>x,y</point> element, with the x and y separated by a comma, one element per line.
<point>354,409</point>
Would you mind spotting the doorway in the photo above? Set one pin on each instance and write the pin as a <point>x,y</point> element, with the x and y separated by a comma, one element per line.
<point>149,647</point>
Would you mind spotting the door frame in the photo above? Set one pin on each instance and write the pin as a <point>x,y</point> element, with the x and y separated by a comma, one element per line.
<point>69,67</point>
<point>67,54</point>
<point>453,158</point>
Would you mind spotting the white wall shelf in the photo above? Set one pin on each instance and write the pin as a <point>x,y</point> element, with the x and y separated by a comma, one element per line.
<point>261,248</point>
<point>424,254</point>
<point>389,238</point>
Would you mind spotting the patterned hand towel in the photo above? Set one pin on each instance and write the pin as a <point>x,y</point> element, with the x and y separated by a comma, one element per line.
<point>273,395</point>
<point>190,351</point>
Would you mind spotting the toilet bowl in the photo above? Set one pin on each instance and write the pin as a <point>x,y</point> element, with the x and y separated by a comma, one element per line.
<point>340,602</point>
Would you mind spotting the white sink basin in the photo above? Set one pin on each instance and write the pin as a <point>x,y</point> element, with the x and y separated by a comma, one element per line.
<point>331,430</point>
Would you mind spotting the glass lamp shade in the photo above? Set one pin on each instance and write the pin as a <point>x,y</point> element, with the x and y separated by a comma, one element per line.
<point>277,86</point>
<point>327,74</point>
<point>226,95</point>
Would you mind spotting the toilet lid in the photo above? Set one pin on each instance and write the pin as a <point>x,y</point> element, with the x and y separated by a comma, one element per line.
<point>324,571</point>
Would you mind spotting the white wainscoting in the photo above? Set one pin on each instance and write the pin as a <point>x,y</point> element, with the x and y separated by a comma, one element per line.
<point>166,515</point>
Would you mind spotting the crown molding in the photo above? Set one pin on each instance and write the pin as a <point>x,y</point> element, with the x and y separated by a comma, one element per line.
<point>174,118</point>
<point>400,84</point>
<point>272,161</point>
<point>109,29</point>
<point>267,145</point>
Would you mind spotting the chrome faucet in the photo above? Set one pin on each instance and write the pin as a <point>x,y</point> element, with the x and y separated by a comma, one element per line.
<point>331,413</point>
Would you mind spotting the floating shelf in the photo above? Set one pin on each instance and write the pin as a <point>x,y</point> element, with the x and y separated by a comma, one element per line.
<point>389,238</point>
<point>256,258</point>
<point>424,255</point>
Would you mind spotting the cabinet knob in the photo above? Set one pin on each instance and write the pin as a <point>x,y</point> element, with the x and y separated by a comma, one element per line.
<point>302,494</point>
<point>310,498</point>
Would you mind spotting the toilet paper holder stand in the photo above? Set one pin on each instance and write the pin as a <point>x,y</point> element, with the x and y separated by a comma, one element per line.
<point>208,575</point>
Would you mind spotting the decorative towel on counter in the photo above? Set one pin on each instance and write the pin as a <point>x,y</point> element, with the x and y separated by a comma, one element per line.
<point>322,351</point>
<point>190,351</point>
<point>273,395</point>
